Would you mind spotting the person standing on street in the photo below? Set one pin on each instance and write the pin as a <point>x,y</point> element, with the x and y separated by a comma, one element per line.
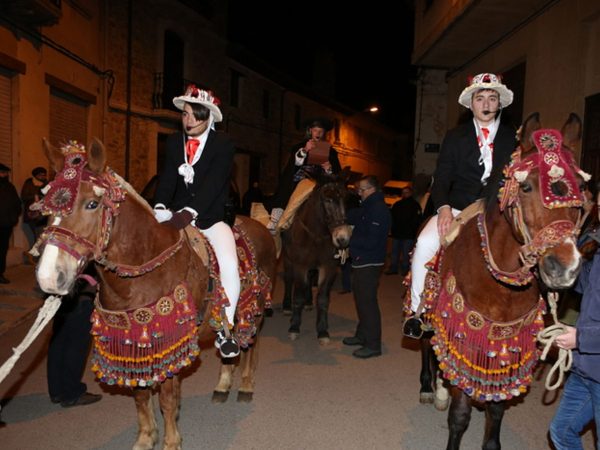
<point>10,210</point>
<point>371,223</point>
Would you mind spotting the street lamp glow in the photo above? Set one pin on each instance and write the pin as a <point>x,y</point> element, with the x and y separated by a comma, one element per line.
<point>373,109</point>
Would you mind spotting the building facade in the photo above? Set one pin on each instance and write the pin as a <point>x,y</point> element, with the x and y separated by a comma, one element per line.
<point>77,69</point>
<point>546,49</point>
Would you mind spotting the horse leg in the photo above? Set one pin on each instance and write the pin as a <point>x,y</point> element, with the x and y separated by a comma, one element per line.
<point>300,287</point>
<point>170,396</point>
<point>494,412</point>
<point>308,300</point>
<point>221,390</point>
<point>459,417</point>
<point>288,285</point>
<point>248,364</point>
<point>426,377</point>
<point>326,279</point>
<point>148,430</point>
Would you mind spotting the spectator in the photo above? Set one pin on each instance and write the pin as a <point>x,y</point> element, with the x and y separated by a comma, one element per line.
<point>367,248</point>
<point>31,192</point>
<point>10,210</point>
<point>252,195</point>
<point>406,218</point>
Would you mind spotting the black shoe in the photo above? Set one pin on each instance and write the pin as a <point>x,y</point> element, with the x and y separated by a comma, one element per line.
<point>228,347</point>
<point>353,340</point>
<point>391,272</point>
<point>84,399</point>
<point>55,399</point>
<point>365,352</point>
<point>4,280</point>
<point>412,328</point>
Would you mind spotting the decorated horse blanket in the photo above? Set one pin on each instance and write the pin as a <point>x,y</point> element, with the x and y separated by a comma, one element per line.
<point>144,346</point>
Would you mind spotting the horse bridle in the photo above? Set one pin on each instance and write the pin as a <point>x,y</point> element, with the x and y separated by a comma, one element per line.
<point>331,225</point>
<point>68,241</point>
<point>533,247</point>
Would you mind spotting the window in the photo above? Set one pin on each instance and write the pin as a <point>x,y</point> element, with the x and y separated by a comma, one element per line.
<point>297,117</point>
<point>234,89</point>
<point>68,118</point>
<point>266,104</point>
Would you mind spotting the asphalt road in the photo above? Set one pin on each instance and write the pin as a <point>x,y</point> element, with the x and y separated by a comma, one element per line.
<point>307,397</point>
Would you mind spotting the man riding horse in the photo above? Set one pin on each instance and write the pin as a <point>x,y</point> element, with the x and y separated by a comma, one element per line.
<point>295,183</point>
<point>470,161</point>
<point>194,183</point>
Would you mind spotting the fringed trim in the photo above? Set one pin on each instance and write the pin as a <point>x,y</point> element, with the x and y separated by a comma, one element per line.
<point>489,361</point>
<point>144,346</point>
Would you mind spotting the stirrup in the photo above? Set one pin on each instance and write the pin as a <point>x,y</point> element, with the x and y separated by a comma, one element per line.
<point>228,346</point>
<point>413,327</point>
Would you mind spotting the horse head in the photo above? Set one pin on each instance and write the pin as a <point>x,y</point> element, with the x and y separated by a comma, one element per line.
<point>81,202</point>
<point>542,199</point>
<point>331,194</point>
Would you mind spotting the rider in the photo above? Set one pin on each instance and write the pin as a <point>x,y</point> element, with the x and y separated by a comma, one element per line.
<point>298,168</point>
<point>194,183</point>
<point>464,169</point>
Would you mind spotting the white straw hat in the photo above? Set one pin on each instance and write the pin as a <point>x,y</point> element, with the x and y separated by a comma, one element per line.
<point>486,81</point>
<point>196,95</point>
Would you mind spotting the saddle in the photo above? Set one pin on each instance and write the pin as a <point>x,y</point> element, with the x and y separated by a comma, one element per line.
<point>459,221</point>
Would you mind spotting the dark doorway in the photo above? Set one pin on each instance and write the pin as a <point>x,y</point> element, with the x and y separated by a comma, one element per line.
<point>514,78</point>
<point>172,69</point>
<point>590,149</point>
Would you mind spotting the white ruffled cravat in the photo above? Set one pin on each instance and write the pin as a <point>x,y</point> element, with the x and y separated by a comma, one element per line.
<point>186,170</point>
<point>486,147</point>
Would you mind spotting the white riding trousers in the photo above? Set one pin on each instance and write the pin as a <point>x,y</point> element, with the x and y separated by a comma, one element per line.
<point>221,238</point>
<point>428,243</point>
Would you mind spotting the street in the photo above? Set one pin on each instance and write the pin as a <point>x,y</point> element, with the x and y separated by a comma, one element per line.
<point>306,397</point>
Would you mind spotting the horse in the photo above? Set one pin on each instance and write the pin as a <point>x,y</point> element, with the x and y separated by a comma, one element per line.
<point>482,298</point>
<point>97,217</point>
<point>318,231</point>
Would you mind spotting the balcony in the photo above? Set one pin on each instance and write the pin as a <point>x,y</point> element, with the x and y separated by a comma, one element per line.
<point>167,87</point>
<point>32,13</point>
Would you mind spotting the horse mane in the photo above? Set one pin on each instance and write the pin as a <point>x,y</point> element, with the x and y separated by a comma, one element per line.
<point>131,191</point>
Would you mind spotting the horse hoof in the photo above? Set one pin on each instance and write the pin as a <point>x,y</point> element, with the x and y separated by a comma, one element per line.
<point>268,312</point>
<point>220,397</point>
<point>287,312</point>
<point>441,405</point>
<point>426,397</point>
<point>293,335</point>
<point>244,397</point>
<point>324,341</point>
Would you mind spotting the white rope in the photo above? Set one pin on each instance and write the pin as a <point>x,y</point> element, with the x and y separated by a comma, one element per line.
<point>45,314</point>
<point>547,337</point>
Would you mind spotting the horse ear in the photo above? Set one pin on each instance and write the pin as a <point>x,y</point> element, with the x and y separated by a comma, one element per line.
<point>531,124</point>
<point>571,131</point>
<point>344,175</point>
<point>96,156</point>
<point>54,155</point>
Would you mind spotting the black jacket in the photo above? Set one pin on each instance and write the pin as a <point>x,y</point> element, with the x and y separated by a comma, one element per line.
<point>457,178</point>
<point>371,227</point>
<point>208,193</point>
<point>406,218</point>
<point>10,204</point>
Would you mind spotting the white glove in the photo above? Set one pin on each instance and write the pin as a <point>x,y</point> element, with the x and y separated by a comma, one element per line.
<point>162,215</point>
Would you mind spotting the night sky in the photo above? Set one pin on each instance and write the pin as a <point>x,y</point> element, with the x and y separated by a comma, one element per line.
<point>371,48</point>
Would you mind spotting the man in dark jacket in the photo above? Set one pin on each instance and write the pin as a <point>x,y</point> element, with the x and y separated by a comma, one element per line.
<point>193,187</point>
<point>406,218</point>
<point>367,249</point>
<point>580,402</point>
<point>31,192</point>
<point>464,167</point>
<point>10,210</point>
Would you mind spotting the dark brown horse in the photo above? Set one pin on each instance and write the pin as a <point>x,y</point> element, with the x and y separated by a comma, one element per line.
<point>319,230</point>
<point>484,300</point>
<point>153,282</point>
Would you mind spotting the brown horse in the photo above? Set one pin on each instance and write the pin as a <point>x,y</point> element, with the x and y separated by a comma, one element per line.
<point>483,300</point>
<point>312,241</point>
<point>153,282</point>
